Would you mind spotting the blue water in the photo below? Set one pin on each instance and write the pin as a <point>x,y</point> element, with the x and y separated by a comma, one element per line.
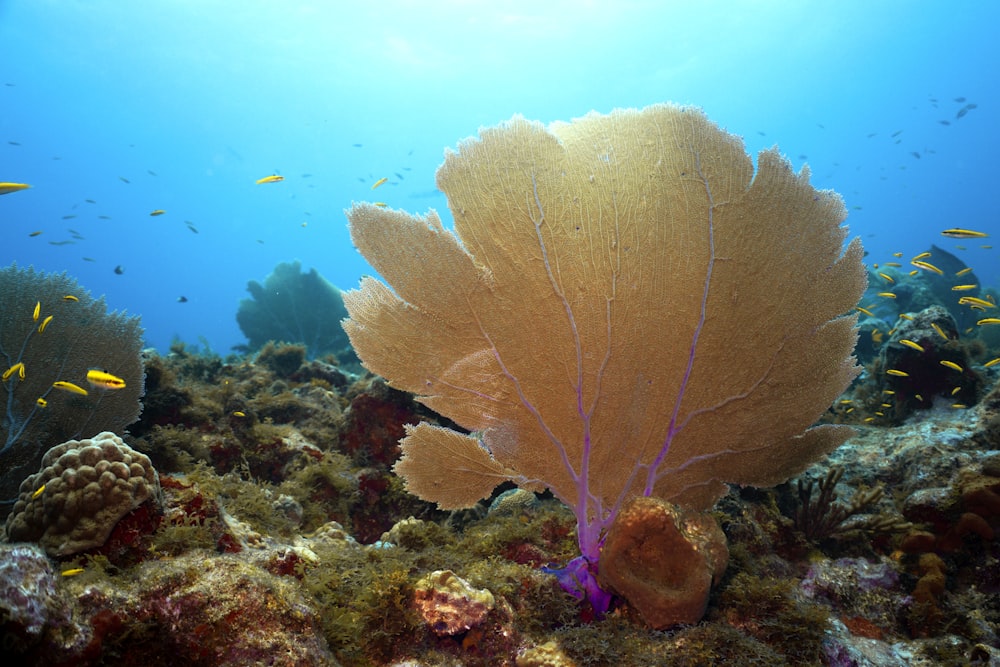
<point>192,101</point>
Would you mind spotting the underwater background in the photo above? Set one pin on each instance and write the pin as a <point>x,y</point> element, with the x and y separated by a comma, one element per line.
<point>111,110</point>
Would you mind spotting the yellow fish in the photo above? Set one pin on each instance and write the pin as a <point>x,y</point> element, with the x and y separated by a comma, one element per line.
<point>70,297</point>
<point>923,255</point>
<point>6,188</point>
<point>910,343</point>
<point>72,572</point>
<point>971,300</point>
<point>957,233</point>
<point>989,320</point>
<point>962,288</point>
<point>41,402</point>
<point>16,368</point>
<point>901,374</point>
<point>992,362</point>
<point>927,266</point>
<point>380,182</point>
<point>39,491</point>
<point>44,324</point>
<point>865,311</point>
<point>940,331</point>
<point>157,212</point>
<point>951,364</point>
<point>887,295</point>
<point>273,178</point>
<point>381,204</point>
<point>104,380</point>
<point>963,271</point>
<point>38,310</point>
<point>70,387</point>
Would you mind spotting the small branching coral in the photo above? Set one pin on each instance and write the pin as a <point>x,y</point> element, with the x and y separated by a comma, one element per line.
<point>821,517</point>
<point>52,333</point>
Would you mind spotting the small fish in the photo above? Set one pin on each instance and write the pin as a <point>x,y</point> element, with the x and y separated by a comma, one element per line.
<point>239,413</point>
<point>356,145</point>
<point>959,406</point>
<point>7,188</point>
<point>939,330</point>
<point>976,301</point>
<point>119,270</point>
<point>927,266</point>
<point>400,176</point>
<point>380,181</point>
<point>61,242</point>
<point>41,402</point>
<point>157,212</point>
<point>915,154</point>
<point>986,247</point>
<point>16,368</point>
<point>90,201</point>
<point>70,387</point>
<point>945,122</point>
<point>962,288</point>
<point>151,172</point>
<point>72,572</point>
<point>273,178</point>
<point>182,299</point>
<point>959,233</point>
<point>923,255</point>
<point>70,297</point>
<point>886,277</point>
<point>887,295</point>
<point>992,362</point>
<point>959,99</point>
<point>988,320</point>
<point>963,271</point>
<point>39,491</point>
<point>865,311</point>
<point>44,324</point>
<point>35,233</point>
<point>38,311</point>
<point>893,264</point>
<point>904,316</point>
<point>381,204</point>
<point>955,390</point>
<point>896,134</point>
<point>103,380</point>
<point>104,217</point>
<point>14,143</point>
<point>69,217</point>
<point>910,343</point>
<point>123,179</point>
<point>951,364</point>
<point>897,373</point>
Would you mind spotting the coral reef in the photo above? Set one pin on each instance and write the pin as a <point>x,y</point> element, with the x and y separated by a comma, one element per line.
<point>272,547</point>
<point>295,307</point>
<point>52,332</point>
<point>82,490</point>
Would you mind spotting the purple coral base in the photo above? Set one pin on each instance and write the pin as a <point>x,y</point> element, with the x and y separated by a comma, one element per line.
<point>579,579</point>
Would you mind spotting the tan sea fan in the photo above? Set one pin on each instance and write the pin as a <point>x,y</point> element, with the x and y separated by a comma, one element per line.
<point>623,309</point>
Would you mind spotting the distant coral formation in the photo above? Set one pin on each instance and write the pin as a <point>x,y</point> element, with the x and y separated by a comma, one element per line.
<point>53,331</point>
<point>295,307</point>
<point>82,490</point>
<point>625,309</point>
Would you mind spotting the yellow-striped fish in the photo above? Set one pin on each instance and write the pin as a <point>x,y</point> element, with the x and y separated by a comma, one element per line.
<point>104,380</point>
<point>975,301</point>
<point>963,288</point>
<point>939,330</point>
<point>958,233</point>
<point>157,212</point>
<point>273,178</point>
<point>927,266</point>
<point>963,271</point>
<point>988,320</point>
<point>910,343</point>
<point>887,295</point>
<point>897,373</point>
<point>380,181</point>
<point>951,364</point>
<point>70,387</point>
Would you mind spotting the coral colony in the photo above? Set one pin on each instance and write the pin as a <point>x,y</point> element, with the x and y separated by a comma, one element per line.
<point>580,324</point>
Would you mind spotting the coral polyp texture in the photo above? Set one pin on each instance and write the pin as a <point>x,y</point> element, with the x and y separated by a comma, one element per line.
<point>82,490</point>
<point>52,334</point>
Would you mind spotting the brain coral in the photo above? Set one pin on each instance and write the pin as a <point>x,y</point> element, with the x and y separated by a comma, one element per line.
<point>82,490</point>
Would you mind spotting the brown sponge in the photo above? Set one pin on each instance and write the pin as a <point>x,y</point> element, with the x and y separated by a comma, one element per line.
<point>82,490</point>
